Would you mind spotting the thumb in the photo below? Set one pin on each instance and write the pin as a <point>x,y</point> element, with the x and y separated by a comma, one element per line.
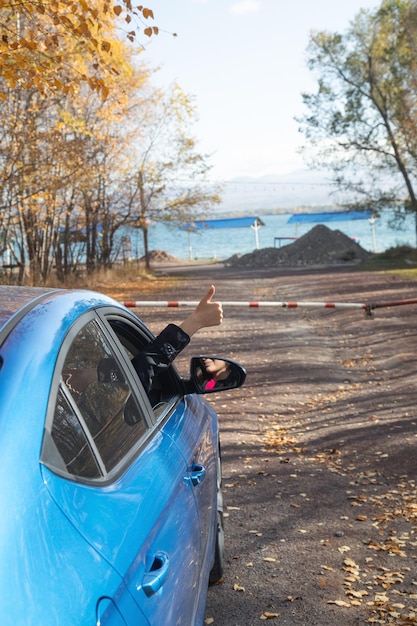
<point>209,295</point>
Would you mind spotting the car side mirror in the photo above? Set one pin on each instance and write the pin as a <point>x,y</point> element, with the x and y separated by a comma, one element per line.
<point>210,374</point>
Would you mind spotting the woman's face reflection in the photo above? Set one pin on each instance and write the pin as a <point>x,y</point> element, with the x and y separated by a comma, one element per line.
<point>216,368</point>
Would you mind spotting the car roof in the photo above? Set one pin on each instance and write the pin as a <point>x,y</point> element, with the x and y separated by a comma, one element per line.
<point>12,299</point>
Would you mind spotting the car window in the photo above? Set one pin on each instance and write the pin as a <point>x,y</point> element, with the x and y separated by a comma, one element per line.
<point>71,441</point>
<point>165,385</point>
<point>97,419</point>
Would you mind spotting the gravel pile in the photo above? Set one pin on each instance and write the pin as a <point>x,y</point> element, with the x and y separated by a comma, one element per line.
<point>320,246</point>
<point>159,256</point>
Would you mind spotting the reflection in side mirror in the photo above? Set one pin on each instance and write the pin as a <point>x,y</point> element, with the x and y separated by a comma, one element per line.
<point>212,373</point>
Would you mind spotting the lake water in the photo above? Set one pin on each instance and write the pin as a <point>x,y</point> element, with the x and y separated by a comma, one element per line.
<point>223,243</point>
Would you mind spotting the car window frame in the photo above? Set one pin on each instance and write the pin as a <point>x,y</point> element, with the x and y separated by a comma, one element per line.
<point>101,318</point>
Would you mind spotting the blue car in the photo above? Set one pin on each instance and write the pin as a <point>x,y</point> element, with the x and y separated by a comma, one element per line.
<point>111,505</point>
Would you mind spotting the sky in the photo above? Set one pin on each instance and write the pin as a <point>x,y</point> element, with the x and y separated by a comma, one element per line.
<point>243,61</point>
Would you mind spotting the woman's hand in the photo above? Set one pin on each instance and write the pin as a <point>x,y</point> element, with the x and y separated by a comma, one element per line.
<point>207,313</point>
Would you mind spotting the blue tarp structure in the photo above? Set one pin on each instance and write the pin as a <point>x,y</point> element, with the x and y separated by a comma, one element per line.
<point>230,222</point>
<point>329,216</point>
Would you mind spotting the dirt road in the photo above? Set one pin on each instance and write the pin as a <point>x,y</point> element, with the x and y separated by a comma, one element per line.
<point>319,447</point>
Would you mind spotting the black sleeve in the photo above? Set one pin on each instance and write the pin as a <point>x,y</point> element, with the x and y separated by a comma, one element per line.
<point>159,354</point>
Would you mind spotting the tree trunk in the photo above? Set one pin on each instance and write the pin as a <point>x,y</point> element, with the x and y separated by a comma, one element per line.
<point>146,247</point>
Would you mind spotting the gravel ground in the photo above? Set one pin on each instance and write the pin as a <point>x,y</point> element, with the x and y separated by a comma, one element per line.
<point>319,446</point>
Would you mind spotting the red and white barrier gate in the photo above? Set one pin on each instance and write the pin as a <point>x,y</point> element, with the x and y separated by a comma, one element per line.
<point>253,305</point>
<point>368,308</point>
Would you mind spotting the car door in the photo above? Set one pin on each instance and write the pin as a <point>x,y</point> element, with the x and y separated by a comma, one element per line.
<point>194,430</point>
<point>193,427</point>
<point>195,433</point>
<point>120,479</point>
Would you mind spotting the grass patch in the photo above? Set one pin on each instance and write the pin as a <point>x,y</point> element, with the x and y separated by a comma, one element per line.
<point>400,258</point>
<point>122,282</point>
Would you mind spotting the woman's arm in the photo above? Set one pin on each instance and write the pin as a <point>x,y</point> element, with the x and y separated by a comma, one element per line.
<point>160,353</point>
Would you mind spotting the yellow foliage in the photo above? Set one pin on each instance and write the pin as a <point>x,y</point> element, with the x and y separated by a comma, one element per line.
<point>38,35</point>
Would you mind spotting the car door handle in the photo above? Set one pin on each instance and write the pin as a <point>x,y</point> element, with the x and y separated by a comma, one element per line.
<point>155,578</point>
<point>197,474</point>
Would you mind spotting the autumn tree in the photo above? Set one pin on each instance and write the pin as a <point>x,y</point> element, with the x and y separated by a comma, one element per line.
<point>361,123</point>
<point>169,180</point>
<point>94,197</point>
<point>86,145</point>
<point>34,35</point>
<point>56,153</point>
<point>31,158</point>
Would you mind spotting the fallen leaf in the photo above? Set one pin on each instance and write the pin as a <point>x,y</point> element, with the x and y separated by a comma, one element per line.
<point>357,594</point>
<point>339,603</point>
<point>381,597</point>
